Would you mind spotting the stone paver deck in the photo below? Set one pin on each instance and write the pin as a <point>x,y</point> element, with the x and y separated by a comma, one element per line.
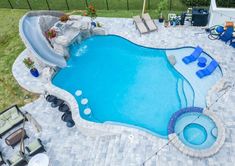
<point>71,147</point>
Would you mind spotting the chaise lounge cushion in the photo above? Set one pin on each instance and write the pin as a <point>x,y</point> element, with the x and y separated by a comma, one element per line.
<point>17,160</point>
<point>35,147</point>
<point>5,127</point>
<point>10,118</point>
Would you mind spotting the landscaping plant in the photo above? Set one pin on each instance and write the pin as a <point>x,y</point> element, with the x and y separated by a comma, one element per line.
<point>29,63</point>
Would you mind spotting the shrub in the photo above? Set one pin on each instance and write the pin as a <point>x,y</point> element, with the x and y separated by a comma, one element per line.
<point>196,2</point>
<point>163,5</point>
<point>207,3</point>
<point>28,63</point>
<point>91,11</point>
<point>50,34</point>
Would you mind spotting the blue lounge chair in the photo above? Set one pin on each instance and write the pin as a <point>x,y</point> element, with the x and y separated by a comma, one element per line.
<point>208,70</point>
<point>232,43</point>
<point>227,35</point>
<point>196,53</point>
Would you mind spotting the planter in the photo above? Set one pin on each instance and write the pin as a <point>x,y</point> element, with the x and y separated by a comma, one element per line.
<point>161,20</point>
<point>166,23</point>
<point>34,72</point>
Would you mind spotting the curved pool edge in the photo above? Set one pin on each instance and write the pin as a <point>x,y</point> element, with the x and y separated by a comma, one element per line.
<point>120,126</point>
<point>93,128</point>
<point>199,153</point>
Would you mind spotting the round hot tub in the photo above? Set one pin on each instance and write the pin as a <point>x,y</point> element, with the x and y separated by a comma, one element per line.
<point>196,130</point>
<point>199,135</point>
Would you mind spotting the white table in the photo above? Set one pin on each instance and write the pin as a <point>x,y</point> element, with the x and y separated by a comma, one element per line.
<point>40,159</point>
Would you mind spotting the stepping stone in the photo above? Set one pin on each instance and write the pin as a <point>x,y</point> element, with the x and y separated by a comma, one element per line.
<point>172,59</point>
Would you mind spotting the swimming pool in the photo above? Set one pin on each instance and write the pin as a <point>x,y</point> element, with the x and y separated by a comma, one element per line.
<point>117,81</point>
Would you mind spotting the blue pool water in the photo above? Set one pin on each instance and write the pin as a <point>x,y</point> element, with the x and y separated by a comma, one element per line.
<point>196,130</point>
<point>124,83</point>
<point>195,134</point>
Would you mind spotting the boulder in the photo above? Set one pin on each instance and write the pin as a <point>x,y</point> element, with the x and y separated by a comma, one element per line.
<point>172,59</point>
<point>98,31</point>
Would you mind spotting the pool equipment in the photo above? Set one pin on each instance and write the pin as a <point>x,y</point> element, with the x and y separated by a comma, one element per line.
<point>199,17</point>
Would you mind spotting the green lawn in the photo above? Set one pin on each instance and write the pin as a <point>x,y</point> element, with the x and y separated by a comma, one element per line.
<point>81,4</point>
<point>11,46</point>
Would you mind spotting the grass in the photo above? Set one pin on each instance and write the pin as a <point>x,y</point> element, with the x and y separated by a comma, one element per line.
<point>11,46</point>
<point>80,4</point>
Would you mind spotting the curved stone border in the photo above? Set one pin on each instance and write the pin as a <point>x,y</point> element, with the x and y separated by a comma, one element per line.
<point>200,153</point>
<point>176,115</point>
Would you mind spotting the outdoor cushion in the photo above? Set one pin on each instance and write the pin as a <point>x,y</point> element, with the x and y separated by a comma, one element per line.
<point>14,138</point>
<point>11,116</point>
<point>6,115</point>
<point>35,146</point>
<point>16,160</point>
<point>16,120</point>
<point>140,25</point>
<point>2,123</point>
<point>11,111</point>
<point>4,128</point>
<point>14,115</point>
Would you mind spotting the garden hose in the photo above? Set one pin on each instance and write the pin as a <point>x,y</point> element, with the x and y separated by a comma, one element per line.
<point>213,33</point>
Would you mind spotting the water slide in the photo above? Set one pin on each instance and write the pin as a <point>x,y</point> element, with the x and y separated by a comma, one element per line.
<point>32,36</point>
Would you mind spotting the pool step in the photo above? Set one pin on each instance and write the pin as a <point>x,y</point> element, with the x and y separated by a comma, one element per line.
<point>189,93</point>
<point>181,94</point>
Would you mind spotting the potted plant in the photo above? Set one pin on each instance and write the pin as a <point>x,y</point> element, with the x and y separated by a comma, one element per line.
<point>30,65</point>
<point>51,33</point>
<point>161,18</point>
<point>163,5</point>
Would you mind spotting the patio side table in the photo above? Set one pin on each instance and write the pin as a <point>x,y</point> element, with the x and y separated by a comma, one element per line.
<point>201,62</point>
